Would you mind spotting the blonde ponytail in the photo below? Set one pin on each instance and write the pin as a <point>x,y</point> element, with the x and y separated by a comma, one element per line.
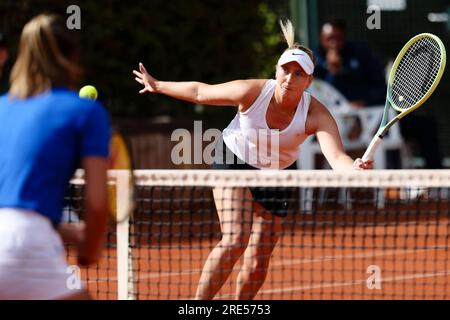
<point>289,36</point>
<point>288,32</point>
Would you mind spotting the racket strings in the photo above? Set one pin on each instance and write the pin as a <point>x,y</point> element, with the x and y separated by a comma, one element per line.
<point>416,73</point>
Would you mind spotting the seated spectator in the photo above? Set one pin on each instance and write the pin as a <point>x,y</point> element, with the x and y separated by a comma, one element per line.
<point>350,67</point>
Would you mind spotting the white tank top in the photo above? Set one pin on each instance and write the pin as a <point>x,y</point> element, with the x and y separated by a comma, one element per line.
<point>251,139</point>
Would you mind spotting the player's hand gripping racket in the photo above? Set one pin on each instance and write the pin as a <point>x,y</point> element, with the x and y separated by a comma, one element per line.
<point>415,74</point>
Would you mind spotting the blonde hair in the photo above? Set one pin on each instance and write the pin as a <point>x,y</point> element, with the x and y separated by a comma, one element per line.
<point>289,35</point>
<point>46,57</point>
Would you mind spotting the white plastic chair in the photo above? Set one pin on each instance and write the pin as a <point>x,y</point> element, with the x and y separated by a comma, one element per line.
<point>345,115</point>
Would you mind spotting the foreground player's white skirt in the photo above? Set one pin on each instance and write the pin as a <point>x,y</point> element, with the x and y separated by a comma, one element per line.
<point>32,258</point>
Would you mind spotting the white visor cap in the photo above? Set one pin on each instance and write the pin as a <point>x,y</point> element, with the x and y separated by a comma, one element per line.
<point>299,56</point>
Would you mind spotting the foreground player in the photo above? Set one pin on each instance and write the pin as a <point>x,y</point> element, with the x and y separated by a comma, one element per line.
<point>278,107</point>
<point>46,132</point>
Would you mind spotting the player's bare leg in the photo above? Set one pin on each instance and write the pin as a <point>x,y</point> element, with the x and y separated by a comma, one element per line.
<point>234,207</point>
<point>264,237</point>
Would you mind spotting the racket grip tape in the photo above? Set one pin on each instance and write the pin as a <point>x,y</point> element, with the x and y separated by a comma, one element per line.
<point>368,155</point>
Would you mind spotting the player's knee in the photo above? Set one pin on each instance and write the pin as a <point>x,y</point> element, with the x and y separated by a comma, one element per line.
<point>264,243</point>
<point>256,270</point>
<point>235,246</point>
<point>258,262</point>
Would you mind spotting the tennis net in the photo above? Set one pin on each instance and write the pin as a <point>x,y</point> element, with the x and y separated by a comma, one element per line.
<point>346,235</point>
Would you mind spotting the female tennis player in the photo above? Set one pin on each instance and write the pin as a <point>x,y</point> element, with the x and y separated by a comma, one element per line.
<point>46,132</point>
<point>265,108</point>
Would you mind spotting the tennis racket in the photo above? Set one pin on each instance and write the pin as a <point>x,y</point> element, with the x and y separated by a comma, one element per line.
<point>414,76</point>
<point>123,183</point>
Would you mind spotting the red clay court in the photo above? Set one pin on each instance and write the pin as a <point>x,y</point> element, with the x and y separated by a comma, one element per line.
<point>329,252</point>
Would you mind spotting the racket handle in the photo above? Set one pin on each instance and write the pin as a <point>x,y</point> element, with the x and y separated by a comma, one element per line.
<point>368,155</point>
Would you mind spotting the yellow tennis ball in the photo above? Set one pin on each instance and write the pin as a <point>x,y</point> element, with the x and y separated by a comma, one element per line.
<point>88,92</point>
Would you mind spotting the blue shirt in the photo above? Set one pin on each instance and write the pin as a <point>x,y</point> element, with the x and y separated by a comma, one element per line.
<point>42,141</point>
<point>361,78</point>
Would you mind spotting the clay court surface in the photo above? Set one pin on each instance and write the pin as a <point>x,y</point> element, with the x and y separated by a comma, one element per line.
<point>327,255</point>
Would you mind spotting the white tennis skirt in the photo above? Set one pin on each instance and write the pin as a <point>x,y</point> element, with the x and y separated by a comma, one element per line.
<point>32,258</point>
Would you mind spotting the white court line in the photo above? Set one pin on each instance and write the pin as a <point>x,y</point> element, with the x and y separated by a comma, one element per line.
<point>337,232</point>
<point>285,262</point>
<point>351,256</point>
<point>333,284</point>
<point>353,282</point>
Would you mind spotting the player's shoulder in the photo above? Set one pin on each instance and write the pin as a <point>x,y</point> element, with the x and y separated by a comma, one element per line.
<point>317,110</point>
<point>258,84</point>
<point>70,99</point>
<point>318,113</point>
<point>3,98</point>
<point>251,89</point>
<point>79,110</point>
<point>69,96</point>
<point>249,85</point>
<point>316,106</point>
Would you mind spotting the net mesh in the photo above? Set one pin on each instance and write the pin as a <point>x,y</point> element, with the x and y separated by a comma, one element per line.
<point>347,235</point>
<point>416,73</point>
<point>101,279</point>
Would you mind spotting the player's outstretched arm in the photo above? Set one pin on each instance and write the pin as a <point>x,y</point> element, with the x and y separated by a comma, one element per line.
<point>240,93</point>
